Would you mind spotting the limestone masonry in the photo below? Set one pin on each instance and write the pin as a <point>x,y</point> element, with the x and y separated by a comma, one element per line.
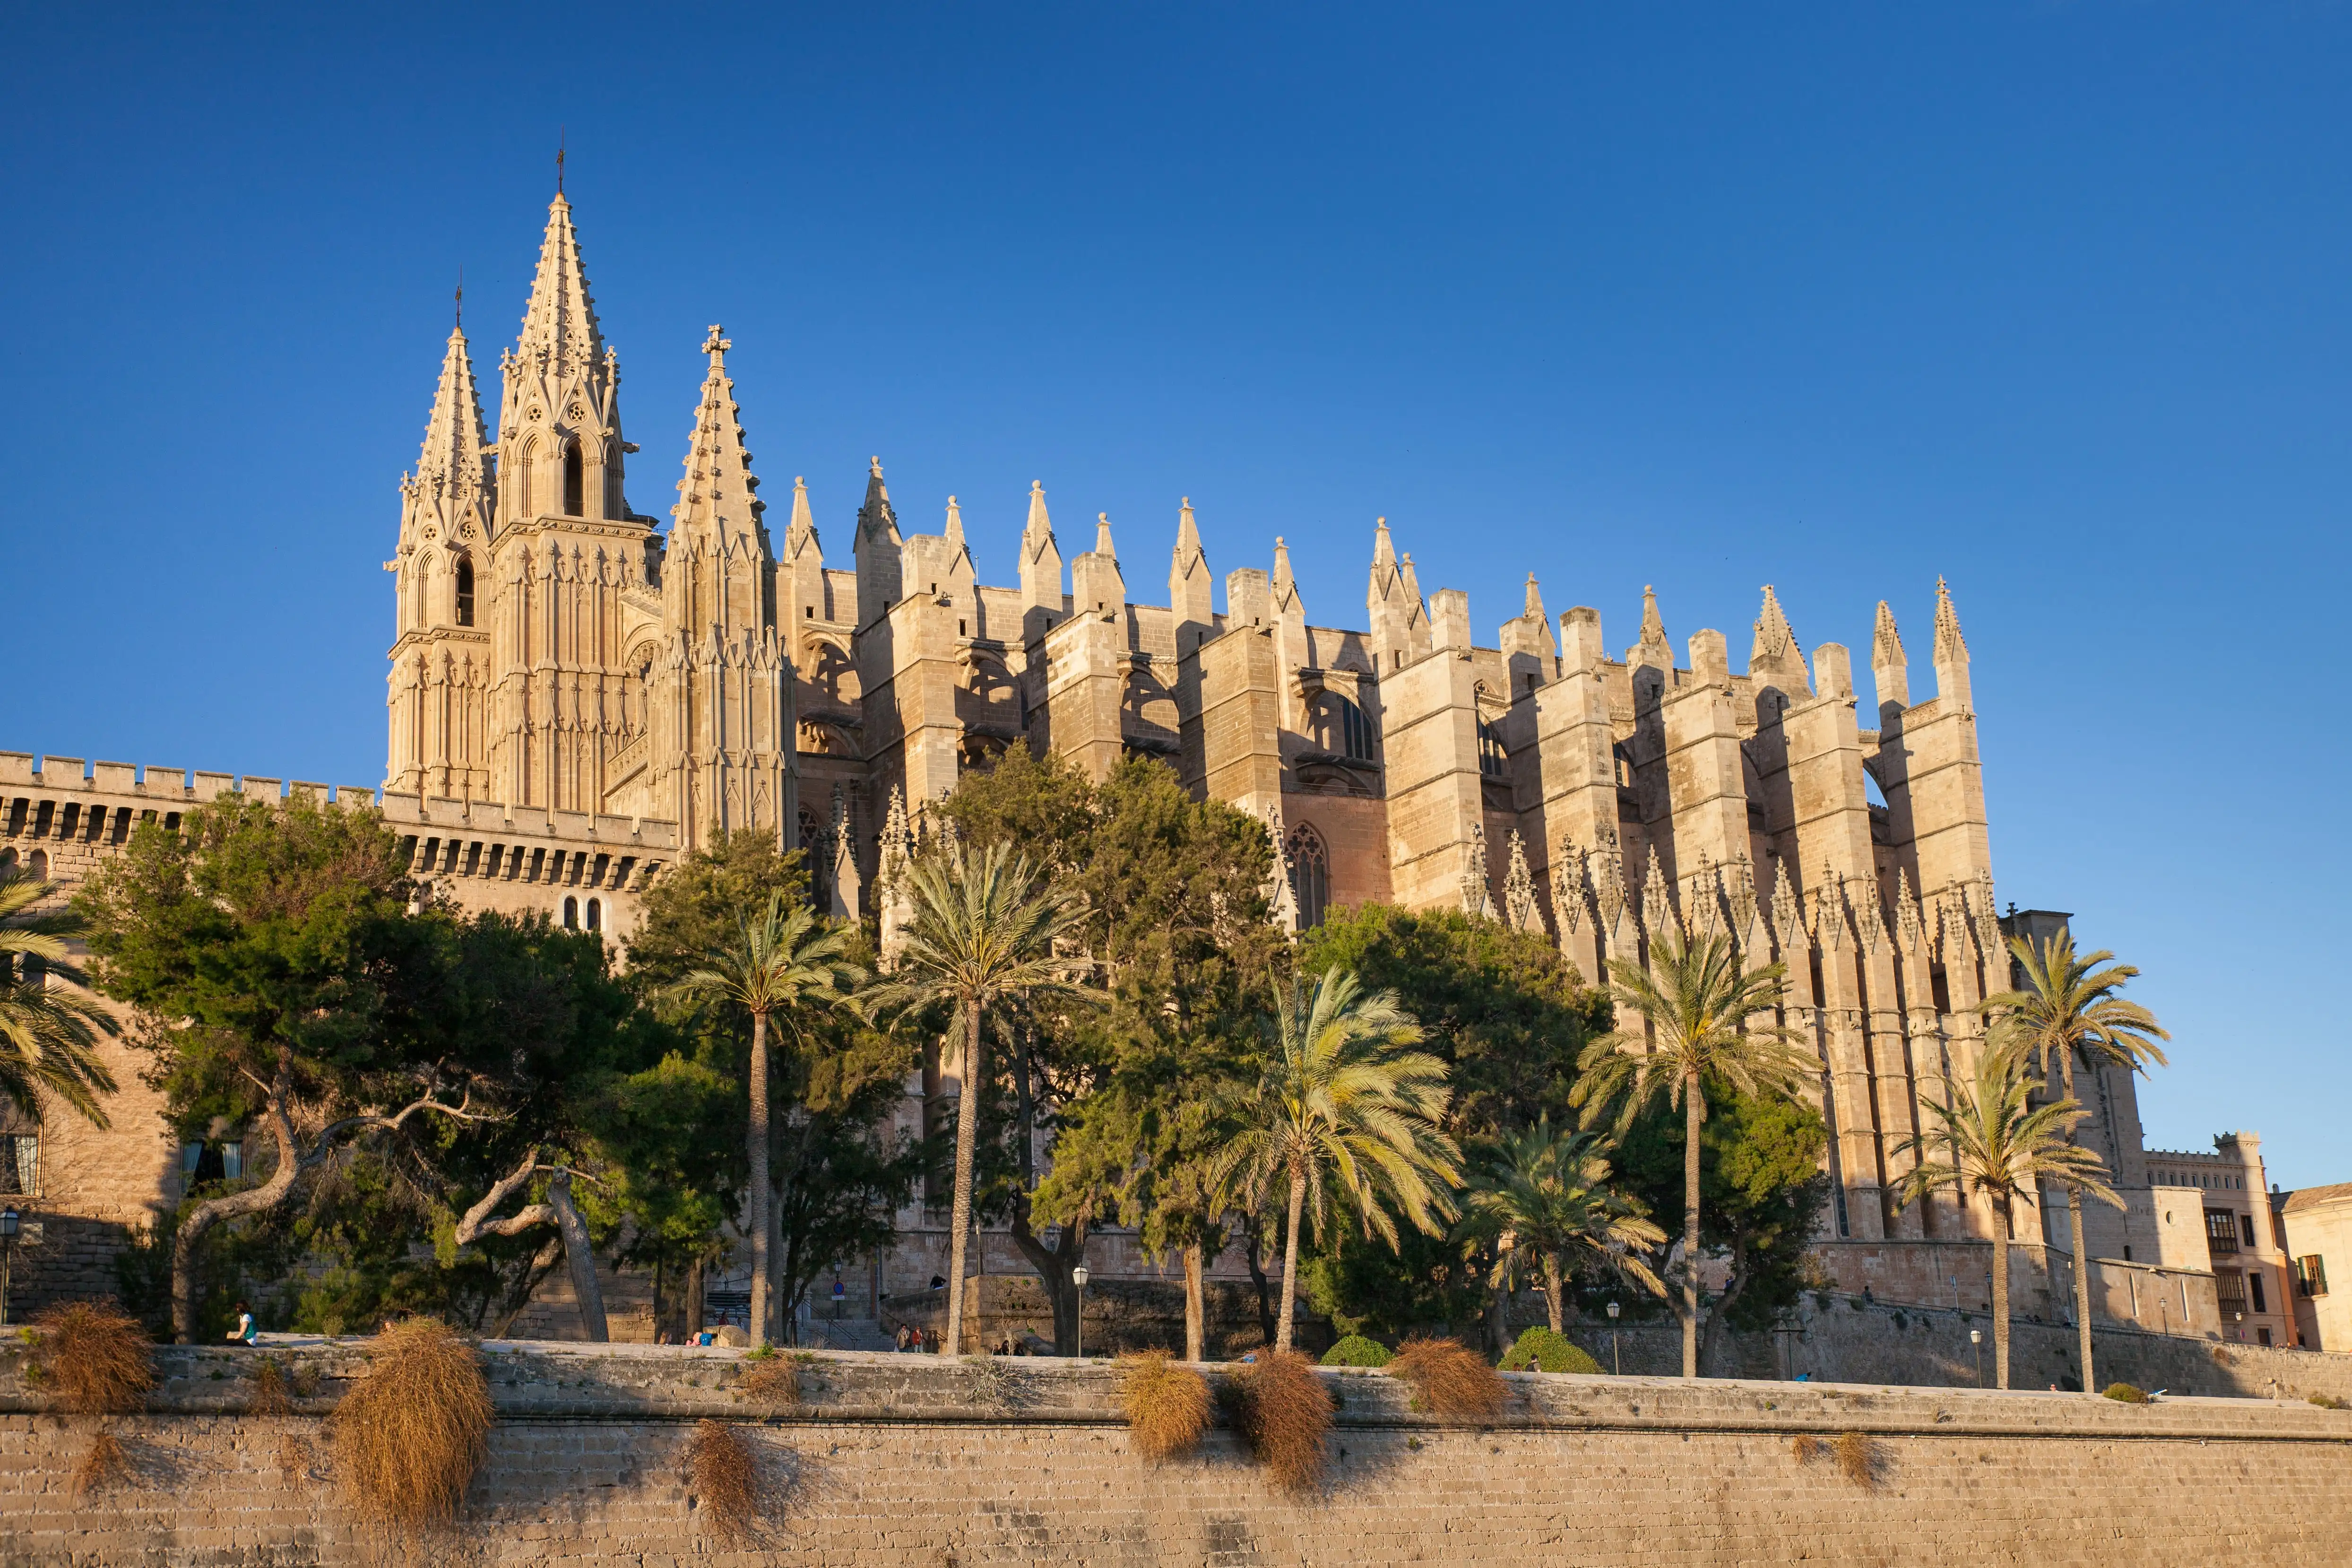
<point>575,697</point>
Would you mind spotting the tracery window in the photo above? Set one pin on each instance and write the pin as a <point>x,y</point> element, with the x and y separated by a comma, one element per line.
<point>573,485</point>
<point>465,590</point>
<point>1343,727</point>
<point>1310,875</point>
<point>1492,760</point>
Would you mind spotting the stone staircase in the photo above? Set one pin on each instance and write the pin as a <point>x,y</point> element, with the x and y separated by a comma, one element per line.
<point>849,1334</point>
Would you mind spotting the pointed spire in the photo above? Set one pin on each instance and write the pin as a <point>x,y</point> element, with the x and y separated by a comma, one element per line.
<point>715,497</point>
<point>1951,647</point>
<point>1788,915</point>
<point>1474,899</point>
<point>1654,649</point>
<point>1776,640</point>
<point>1886,660</point>
<point>1188,542</point>
<point>1535,607</point>
<point>803,525</point>
<point>1519,905</point>
<point>451,463</point>
<point>560,335</point>
<point>1190,594</point>
<point>955,521</point>
<point>1286,585</point>
<point>1038,531</point>
<point>1657,909</point>
<point>875,520</point>
<point>1568,890</point>
<point>1383,548</point>
<point>1102,536</point>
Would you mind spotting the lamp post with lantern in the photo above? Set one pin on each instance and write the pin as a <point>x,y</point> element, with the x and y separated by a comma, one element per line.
<point>1616,1357</point>
<point>1976,1344</point>
<point>1078,1278</point>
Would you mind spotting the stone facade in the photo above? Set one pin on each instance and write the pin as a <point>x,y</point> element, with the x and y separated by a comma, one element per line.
<point>2315,1226</point>
<point>891,1459</point>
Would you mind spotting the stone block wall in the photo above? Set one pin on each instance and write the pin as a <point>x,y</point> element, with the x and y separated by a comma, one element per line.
<point>897,1460</point>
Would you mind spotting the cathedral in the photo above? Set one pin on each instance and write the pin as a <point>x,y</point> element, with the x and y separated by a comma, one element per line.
<point>559,651</point>
<point>578,695</point>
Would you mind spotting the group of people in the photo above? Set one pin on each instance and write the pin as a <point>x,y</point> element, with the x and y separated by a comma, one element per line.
<point>922,1341</point>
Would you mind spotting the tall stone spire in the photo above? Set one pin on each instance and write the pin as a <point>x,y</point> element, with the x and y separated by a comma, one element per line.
<point>1191,590</point>
<point>1096,581</point>
<point>1774,657</point>
<point>1654,649</point>
<point>1886,661</point>
<point>1286,585</point>
<point>1951,647</point>
<point>879,550</point>
<point>954,522</point>
<point>1041,567</point>
<point>1103,545</point>
<point>451,486</point>
<point>1400,622</point>
<point>716,508</point>
<point>560,335</point>
<point>802,529</point>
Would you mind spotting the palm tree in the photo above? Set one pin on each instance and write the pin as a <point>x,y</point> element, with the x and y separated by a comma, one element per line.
<point>1694,1020</point>
<point>2068,1012</point>
<point>1544,1194</point>
<point>48,1032</point>
<point>1343,1103</point>
<point>785,959</point>
<point>986,923</point>
<point>1993,1140</point>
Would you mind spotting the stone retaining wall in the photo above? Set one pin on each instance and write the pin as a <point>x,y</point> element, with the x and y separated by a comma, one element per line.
<point>902,1459</point>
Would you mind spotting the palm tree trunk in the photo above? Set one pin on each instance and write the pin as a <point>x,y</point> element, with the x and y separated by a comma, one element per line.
<point>1196,1306</point>
<point>2074,1235</point>
<point>1290,1261</point>
<point>756,1146</point>
<point>967,1153</point>
<point>2001,1295</point>
<point>1694,1108</point>
<point>1551,1293</point>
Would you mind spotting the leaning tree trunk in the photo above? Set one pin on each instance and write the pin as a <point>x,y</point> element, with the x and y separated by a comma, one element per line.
<point>1694,1110</point>
<point>2001,1298</point>
<point>1558,1313</point>
<point>1254,1257</point>
<point>188,1241</point>
<point>1498,1320</point>
<point>756,1146</point>
<point>967,1153</point>
<point>579,1257</point>
<point>2074,1235</point>
<point>1291,1262</point>
<point>1196,1305</point>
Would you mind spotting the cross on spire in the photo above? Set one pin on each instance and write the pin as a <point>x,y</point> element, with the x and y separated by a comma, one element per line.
<point>714,345</point>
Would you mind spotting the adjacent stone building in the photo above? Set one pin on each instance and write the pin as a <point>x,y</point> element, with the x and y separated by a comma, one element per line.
<point>576,696</point>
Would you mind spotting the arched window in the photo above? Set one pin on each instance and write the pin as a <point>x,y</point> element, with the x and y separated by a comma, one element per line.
<point>610,479</point>
<point>526,504</point>
<point>1311,876</point>
<point>465,590</point>
<point>572,480</point>
<point>1492,760</point>
<point>39,866</point>
<point>571,914</point>
<point>1344,728</point>
<point>7,861</point>
<point>814,856</point>
<point>595,914</point>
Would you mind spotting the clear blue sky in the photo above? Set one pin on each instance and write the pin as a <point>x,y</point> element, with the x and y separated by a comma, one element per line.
<point>2049,299</point>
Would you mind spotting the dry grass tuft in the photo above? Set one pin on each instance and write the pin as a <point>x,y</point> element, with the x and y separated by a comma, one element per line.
<point>1284,1413</point>
<point>94,1354</point>
<point>408,1439</point>
<point>1857,1458</point>
<point>1167,1405</point>
<point>1450,1380</point>
<point>272,1394</point>
<point>104,1463</point>
<point>2329,1402</point>
<point>771,1378</point>
<point>2125,1394</point>
<point>1804,1447</point>
<point>725,1477</point>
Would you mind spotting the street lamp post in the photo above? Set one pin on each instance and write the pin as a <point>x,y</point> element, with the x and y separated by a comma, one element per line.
<point>10,1221</point>
<point>1616,1358</point>
<point>1078,1278</point>
<point>1976,1344</point>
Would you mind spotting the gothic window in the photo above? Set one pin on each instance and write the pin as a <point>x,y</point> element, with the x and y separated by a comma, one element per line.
<point>1311,876</point>
<point>611,479</point>
<point>595,914</point>
<point>1344,728</point>
<point>526,504</point>
<point>1492,762</point>
<point>40,864</point>
<point>572,914</point>
<point>465,590</point>
<point>813,856</point>
<point>573,481</point>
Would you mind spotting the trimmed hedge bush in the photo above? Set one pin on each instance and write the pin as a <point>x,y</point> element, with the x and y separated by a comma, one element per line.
<point>1540,1350</point>
<point>1356,1351</point>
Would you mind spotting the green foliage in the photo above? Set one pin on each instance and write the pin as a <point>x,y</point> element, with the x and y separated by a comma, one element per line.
<point>1371,1288</point>
<point>1355,1350</point>
<point>1761,1190</point>
<point>1506,1013</point>
<point>1540,1350</point>
<point>48,1032</point>
<point>2124,1393</point>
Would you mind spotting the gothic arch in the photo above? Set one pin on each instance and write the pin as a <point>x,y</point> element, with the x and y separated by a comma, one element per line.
<point>575,481</point>
<point>1310,875</point>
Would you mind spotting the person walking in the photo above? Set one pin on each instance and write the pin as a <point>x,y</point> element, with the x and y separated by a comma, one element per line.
<point>905,1334</point>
